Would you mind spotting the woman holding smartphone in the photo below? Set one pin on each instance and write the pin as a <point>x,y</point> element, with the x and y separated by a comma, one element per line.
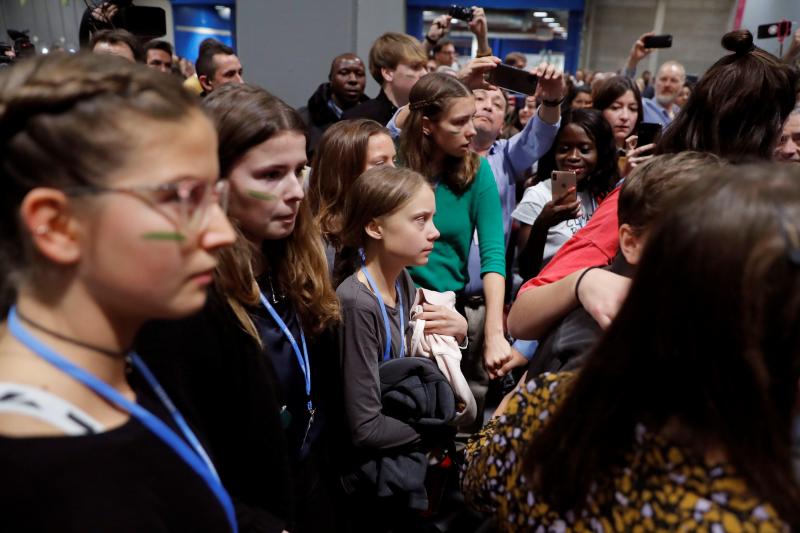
<point>549,217</point>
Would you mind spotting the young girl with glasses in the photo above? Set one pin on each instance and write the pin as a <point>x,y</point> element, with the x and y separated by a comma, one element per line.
<point>109,219</point>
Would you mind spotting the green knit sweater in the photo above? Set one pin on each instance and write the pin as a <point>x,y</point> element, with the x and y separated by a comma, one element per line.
<point>457,217</point>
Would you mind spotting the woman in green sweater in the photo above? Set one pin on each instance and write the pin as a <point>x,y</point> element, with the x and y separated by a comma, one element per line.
<point>435,142</point>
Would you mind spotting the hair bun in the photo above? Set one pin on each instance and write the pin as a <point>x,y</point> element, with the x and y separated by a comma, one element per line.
<point>740,41</point>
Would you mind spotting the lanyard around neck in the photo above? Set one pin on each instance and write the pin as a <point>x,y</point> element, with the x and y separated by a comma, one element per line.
<point>196,457</point>
<point>302,357</point>
<point>387,351</point>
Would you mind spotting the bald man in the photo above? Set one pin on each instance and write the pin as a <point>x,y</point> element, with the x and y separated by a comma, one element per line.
<point>343,90</point>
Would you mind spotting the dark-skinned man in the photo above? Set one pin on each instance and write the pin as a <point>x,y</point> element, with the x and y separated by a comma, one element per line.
<point>343,90</point>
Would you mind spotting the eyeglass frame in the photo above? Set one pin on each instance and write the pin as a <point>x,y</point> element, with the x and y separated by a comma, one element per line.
<point>214,193</point>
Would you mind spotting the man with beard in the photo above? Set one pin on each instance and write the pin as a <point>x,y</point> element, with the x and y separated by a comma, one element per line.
<point>661,108</point>
<point>343,90</point>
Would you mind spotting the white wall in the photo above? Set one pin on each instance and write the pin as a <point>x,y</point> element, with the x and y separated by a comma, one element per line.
<point>287,47</point>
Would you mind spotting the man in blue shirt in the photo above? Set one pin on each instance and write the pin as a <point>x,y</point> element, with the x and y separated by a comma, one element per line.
<point>660,109</point>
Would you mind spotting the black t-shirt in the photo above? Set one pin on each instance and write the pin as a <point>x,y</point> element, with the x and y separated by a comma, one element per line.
<point>122,480</point>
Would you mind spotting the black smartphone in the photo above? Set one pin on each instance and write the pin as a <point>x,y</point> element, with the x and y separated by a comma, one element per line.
<point>460,13</point>
<point>775,29</point>
<point>658,41</point>
<point>647,133</point>
<point>513,79</point>
<point>143,21</point>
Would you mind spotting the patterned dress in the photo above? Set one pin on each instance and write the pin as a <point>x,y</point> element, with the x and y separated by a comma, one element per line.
<point>661,488</point>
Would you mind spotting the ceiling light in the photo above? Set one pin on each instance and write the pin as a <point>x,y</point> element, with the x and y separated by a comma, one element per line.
<point>548,19</point>
<point>540,14</point>
<point>553,24</point>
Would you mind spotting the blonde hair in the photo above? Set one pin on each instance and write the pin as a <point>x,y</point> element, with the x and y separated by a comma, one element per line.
<point>391,49</point>
<point>431,97</point>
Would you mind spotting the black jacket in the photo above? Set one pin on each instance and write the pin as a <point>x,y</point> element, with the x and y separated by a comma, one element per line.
<point>318,116</point>
<point>380,109</point>
<point>413,390</point>
<point>219,379</point>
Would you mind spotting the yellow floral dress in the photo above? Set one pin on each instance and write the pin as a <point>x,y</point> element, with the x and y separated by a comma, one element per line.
<point>662,488</point>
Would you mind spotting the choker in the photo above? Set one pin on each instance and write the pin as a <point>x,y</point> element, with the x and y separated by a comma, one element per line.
<point>60,336</point>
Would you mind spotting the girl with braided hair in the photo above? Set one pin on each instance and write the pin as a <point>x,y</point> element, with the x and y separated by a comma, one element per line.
<point>111,216</point>
<point>435,143</point>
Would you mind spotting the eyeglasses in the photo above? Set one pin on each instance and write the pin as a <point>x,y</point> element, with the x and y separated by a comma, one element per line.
<point>187,203</point>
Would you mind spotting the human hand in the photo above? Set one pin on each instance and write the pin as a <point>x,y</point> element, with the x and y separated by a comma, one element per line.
<point>517,360</point>
<point>496,353</point>
<point>602,293</point>
<point>472,75</point>
<point>439,27</point>
<point>638,51</point>
<point>551,82</point>
<point>636,155</point>
<point>478,24</point>
<point>105,12</point>
<point>444,321</point>
<point>559,209</point>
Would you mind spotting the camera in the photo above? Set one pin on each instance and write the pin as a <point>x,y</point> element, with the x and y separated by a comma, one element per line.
<point>460,13</point>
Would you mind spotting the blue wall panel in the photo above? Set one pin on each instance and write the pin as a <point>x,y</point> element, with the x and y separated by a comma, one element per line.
<point>196,22</point>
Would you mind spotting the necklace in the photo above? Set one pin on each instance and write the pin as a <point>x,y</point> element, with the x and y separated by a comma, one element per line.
<point>76,342</point>
<point>273,295</point>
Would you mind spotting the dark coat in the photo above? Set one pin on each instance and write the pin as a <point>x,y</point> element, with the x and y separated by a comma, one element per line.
<point>219,379</point>
<point>318,116</point>
<point>413,390</point>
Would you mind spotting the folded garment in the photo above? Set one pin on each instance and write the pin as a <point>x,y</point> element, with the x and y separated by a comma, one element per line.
<point>444,350</point>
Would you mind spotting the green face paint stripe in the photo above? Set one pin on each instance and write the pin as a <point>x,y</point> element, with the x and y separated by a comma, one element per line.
<point>260,195</point>
<point>164,236</point>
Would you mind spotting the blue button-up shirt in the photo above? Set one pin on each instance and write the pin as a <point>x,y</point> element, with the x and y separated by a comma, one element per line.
<point>653,112</point>
<point>509,160</point>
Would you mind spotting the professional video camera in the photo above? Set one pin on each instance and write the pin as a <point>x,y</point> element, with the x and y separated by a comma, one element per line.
<point>144,22</point>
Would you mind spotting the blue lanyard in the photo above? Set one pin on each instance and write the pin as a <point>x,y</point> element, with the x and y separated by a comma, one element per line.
<point>302,357</point>
<point>387,351</point>
<point>197,459</point>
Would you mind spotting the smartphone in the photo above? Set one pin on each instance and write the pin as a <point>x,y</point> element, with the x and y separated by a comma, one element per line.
<point>460,13</point>
<point>775,29</point>
<point>513,79</point>
<point>658,41</point>
<point>563,181</point>
<point>648,132</point>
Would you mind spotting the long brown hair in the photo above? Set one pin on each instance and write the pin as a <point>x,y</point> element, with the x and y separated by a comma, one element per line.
<point>738,107</point>
<point>246,116</point>
<point>431,97</point>
<point>707,337</point>
<point>340,158</point>
<point>378,192</point>
<point>65,121</point>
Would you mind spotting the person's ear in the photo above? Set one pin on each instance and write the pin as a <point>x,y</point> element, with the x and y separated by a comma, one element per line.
<point>204,83</point>
<point>374,230</point>
<point>427,126</point>
<point>53,229</point>
<point>388,74</point>
<point>631,243</point>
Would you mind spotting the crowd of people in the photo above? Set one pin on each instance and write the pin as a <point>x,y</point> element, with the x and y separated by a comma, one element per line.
<point>390,314</point>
